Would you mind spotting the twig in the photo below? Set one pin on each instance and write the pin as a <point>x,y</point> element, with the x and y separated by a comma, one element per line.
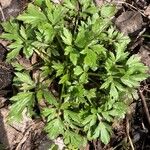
<point>24,138</point>
<point>128,134</point>
<point>1,10</point>
<point>87,147</point>
<point>133,7</point>
<point>95,145</point>
<point>140,34</point>
<point>145,105</point>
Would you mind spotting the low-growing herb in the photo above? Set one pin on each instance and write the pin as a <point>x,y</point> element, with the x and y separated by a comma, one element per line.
<point>83,73</point>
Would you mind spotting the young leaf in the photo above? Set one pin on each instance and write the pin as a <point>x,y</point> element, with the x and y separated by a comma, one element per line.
<point>90,58</point>
<point>64,79</point>
<point>50,113</point>
<point>80,39</point>
<point>74,139</point>
<point>59,68</point>
<point>24,77</point>
<point>67,36</point>
<point>74,58</point>
<point>33,16</point>
<point>73,116</point>
<point>23,32</point>
<point>104,133</point>
<point>13,54</point>
<point>78,70</point>
<point>54,128</point>
<point>21,101</point>
<point>113,92</point>
<point>108,10</point>
<point>49,97</point>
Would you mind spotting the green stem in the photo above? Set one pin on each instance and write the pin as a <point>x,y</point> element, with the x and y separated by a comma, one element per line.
<point>94,74</point>
<point>59,41</point>
<point>61,95</point>
<point>94,81</point>
<point>146,35</point>
<point>41,54</point>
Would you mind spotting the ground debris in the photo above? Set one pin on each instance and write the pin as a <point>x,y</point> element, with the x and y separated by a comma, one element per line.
<point>147,11</point>
<point>26,135</point>
<point>129,22</point>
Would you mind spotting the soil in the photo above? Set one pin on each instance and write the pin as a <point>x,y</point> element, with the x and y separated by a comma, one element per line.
<point>132,133</point>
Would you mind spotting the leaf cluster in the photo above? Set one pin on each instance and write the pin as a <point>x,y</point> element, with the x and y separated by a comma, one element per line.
<point>84,75</point>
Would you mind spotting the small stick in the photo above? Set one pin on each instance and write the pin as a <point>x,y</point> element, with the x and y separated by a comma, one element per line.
<point>128,134</point>
<point>133,8</point>
<point>1,10</point>
<point>145,105</point>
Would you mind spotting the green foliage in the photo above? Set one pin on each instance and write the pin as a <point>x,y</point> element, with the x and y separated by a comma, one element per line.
<point>85,57</point>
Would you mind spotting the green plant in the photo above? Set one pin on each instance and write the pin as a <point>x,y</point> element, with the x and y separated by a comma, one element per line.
<point>85,77</point>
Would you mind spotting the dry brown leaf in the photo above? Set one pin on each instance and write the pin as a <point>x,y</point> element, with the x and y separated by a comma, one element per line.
<point>5,3</point>
<point>129,22</point>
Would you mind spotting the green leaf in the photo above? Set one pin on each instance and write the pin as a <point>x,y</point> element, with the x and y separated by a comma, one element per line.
<point>73,116</point>
<point>10,26</point>
<point>133,60</point>
<point>9,36</point>
<point>48,4</point>
<point>96,132</point>
<point>46,71</point>
<point>108,10</point>
<point>59,13</point>
<point>54,147</point>
<point>107,83</point>
<point>119,110</point>
<point>139,77</point>
<point>68,50</point>
<point>99,49</point>
<point>78,70</point>
<point>49,113</point>
<point>107,116</point>
<point>74,58</point>
<point>17,66</point>
<point>23,32</point>
<point>104,133</point>
<point>70,4</point>
<point>49,97</point>
<point>39,95</point>
<point>80,39</point>
<point>129,82</point>
<point>83,78</point>
<point>28,51</point>
<point>87,119</point>
<point>38,2</point>
<point>119,86</point>
<point>21,101</point>
<point>48,31</point>
<point>59,68</point>
<point>33,16</point>
<point>74,139</point>
<point>24,77</point>
<point>64,79</point>
<point>54,128</point>
<point>13,53</point>
<point>90,93</point>
<point>67,36</point>
<point>90,58</point>
<point>113,92</point>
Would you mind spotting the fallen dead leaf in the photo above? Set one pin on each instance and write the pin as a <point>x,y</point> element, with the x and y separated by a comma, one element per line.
<point>129,22</point>
<point>147,11</point>
<point>144,53</point>
<point>5,3</point>
<point>99,2</point>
